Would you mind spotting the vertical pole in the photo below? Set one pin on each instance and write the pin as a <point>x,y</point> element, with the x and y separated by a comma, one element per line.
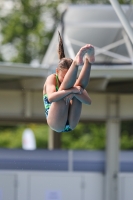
<point>122,18</point>
<point>112,159</point>
<point>54,140</point>
<point>112,147</point>
<point>70,160</point>
<point>27,104</point>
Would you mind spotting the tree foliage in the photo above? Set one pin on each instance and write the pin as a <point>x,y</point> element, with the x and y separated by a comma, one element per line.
<point>85,136</point>
<point>89,136</point>
<point>11,136</point>
<point>25,29</point>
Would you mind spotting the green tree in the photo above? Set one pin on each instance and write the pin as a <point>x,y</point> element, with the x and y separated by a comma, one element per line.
<point>127,135</point>
<point>24,28</point>
<point>11,136</point>
<point>89,136</point>
<point>85,136</point>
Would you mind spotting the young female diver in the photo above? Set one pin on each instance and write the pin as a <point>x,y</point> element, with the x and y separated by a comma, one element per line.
<point>64,93</point>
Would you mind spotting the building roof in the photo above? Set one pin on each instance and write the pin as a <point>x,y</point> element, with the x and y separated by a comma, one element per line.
<point>98,25</point>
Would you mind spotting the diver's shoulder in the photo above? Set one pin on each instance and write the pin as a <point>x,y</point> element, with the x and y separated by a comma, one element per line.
<point>50,77</point>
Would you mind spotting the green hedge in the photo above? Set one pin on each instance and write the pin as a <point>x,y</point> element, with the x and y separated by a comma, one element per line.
<point>85,136</point>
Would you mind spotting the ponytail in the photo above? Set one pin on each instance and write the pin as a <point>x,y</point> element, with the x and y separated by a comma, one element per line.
<point>64,63</point>
<point>61,53</point>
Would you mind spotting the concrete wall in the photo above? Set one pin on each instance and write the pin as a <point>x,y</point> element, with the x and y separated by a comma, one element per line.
<point>26,185</point>
<point>28,105</point>
<point>18,185</point>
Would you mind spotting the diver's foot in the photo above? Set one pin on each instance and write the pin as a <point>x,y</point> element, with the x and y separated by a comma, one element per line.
<point>90,54</point>
<point>86,51</point>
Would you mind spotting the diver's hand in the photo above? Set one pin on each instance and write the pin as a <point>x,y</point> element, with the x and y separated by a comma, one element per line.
<point>76,90</point>
<point>68,98</point>
<point>80,89</point>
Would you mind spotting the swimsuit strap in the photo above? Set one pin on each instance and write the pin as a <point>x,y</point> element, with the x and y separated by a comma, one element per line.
<point>57,82</point>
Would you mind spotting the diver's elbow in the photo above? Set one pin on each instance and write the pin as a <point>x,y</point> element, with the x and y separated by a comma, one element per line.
<point>89,102</point>
<point>50,99</point>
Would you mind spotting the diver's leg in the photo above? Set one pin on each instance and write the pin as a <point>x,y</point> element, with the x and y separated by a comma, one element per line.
<point>57,116</point>
<point>74,113</point>
<point>84,75</point>
<point>71,75</point>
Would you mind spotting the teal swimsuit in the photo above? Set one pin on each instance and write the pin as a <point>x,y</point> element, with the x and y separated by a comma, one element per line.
<point>47,105</point>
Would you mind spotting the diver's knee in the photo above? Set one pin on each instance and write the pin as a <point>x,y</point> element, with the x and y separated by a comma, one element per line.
<point>72,126</point>
<point>57,130</point>
<point>55,127</point>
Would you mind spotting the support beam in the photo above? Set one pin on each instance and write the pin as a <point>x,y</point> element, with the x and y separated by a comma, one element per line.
<point>128,45</point>
<point>99,84</point>
<point>104,50</point>
<point>112,147</point>
<point>112,159</point>
<point>69,46</point>
<point>27,104</point>
<point>54,141</point>
<point>122,18</point>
